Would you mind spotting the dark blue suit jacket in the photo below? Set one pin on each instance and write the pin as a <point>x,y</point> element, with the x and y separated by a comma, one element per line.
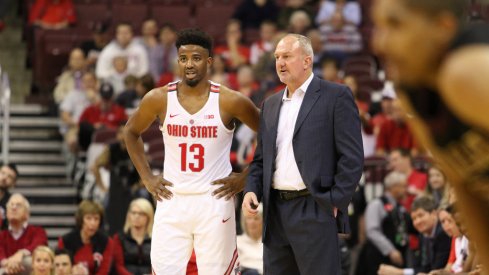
<point>327,146</point>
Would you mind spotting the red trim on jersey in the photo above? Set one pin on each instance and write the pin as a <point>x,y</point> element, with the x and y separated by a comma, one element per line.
<point>214,88</point>
<point>172,87</point>
<point>233,261</point>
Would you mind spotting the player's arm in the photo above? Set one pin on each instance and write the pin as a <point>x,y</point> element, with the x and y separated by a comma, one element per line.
<point>152,106</point>
<point>464,89</point>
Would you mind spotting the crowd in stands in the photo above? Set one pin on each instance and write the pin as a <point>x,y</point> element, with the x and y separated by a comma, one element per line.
<point>413,227</point>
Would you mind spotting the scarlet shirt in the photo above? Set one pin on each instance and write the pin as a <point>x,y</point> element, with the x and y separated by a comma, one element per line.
<point>52,13</point>
<point>393,135</point>
<point>417,180</point>
<point>85,255</point>
<point>223,51</point>
<point>110,118</point>
<point>32,237</point>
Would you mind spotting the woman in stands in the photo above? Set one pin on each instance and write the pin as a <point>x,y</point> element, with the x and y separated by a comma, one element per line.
<point>88,243</point>
<point>42,261</point>
<point>437,186</point>
<point>132,245</point>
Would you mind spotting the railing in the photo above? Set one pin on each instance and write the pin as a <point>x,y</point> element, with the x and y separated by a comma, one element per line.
<point>5,110</point>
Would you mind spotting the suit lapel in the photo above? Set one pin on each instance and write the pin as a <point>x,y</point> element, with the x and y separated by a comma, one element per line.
<point>310,98</point>
<point>274,116</point>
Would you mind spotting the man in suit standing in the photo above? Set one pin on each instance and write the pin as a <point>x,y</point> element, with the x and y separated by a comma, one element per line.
<point>306,167</point>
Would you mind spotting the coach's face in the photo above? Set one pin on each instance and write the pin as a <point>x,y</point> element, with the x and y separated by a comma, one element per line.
<point>291,62</point>
<point>411,41</point>
<point>193,61</point>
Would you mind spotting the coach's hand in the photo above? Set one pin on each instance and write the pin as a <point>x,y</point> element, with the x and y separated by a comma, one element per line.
<point>231,185</point>
<point>156,186</point>
<point>250,204</point>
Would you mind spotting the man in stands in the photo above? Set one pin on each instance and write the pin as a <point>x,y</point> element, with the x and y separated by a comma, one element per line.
<point>8,178</point>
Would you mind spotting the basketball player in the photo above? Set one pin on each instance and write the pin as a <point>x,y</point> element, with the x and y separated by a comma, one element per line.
<point>197,121</point>
<point>441,66</point>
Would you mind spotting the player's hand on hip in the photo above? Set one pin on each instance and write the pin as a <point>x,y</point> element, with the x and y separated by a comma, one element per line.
<point>156,186</point>
<point>250,204</point>
<point>231,185</point>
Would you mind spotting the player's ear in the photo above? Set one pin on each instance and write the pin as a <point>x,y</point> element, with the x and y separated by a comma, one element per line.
<point>210,60</point>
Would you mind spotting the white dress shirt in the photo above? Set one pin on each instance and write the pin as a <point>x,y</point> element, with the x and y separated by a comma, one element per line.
<point>287,175</point>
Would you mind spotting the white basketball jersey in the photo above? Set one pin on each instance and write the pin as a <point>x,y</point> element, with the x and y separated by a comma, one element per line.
<point>197,147</point>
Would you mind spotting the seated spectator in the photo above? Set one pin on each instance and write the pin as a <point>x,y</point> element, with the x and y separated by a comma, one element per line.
<point>72,107</point>
<point>268,29</point>
<point>52,14</point>
<point>63,263</point>
<point>386,109</point>
<point>250,246</point>
<point>234,52</point>
<point>330,69</point>
<point>395,133</point>
<point>434,242</point>
<point>218,72</point>
<point>123,45</point>
<point>387,225</point>
<point>339,39</point>
<point>131,97</point>
<point>132,245</point>
<point>71,79</point>
<point>92,48</point>
<point>42,261</point>
<point>437,186</point>
<point>299,22</point>
<point>349,8</point>
<point>460,244</point>
<point>116,78</point>
<point>317,49</point>
<point>149,40</point>
<point>400,160</point>
<point>8,179</point>
<point>167,52</point>
<point>88,243</point>
<point>124,180</point>
<point>19,241</point>
<point>252,13</point>
<point>292,6</point>
<point>247,84</point>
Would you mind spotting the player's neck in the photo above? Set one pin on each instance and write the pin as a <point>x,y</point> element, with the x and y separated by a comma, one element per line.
<point>201,89</point>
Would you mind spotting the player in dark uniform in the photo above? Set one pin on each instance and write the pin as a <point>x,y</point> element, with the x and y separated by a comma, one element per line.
<point>440,64</point>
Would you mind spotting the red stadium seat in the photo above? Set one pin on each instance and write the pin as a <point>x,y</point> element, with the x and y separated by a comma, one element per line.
<point>90,14</point>
<point>134,13</point>
<point>179,15</point>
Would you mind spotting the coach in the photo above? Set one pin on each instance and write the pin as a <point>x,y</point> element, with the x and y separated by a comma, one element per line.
<point>306,167</point>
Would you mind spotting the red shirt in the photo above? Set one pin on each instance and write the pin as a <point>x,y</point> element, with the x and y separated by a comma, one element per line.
<point>223,51</point>
<point>417,180</point>
<point>32,237</point>
<point>52,13</point>
<point>85,254</point>
<point>393,135</point>
<point>111,118</point>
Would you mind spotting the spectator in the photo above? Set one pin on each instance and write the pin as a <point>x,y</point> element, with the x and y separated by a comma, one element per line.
<point>127,98</point>
<point>116,79</point>
<point>437,186</point>
<point>385,114</point>
<point>434,242</point>
<point>400,160</point>
<point>349,8</point>
<point>42,261</point>
<point>290,7</point>
<point>87,242</point>
<point>52,14</point>
<point>167,52</point>
<point>339,39</point>
<point>125,45</point>
<point>18,242</point>
<point>130,98</point>
<point>132,245</point>
<point>234,52</point>
<point>8,179</point>
<point>72,107</point>
<point>268,29</point>
<point>246,83</point>
<point>460,244</point>
<point>317,47</point>
<point>218,72</point>
<point>250,246</point>
<point>395,133</point>
<point>92,48</point>
<point>299,22</point>
<point>70,79</point>
<point>252,13</point>
<point>63,264</point>
<point>149,41</point>
<point>123,180</point>
<point>330,69</point>
<point>387,223</point>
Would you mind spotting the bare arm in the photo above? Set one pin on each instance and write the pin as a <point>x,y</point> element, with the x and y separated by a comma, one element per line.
<point>464,90</point>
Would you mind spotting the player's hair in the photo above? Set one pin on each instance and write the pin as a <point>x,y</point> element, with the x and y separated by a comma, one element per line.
<point>458,8</point>
<point>88,207</point>
<point>194,37</point>
<point>424,202</point>
<point>145,207</point>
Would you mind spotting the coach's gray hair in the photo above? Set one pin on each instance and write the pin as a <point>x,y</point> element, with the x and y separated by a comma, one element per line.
<point>304,44</point>
<point>394,178</point>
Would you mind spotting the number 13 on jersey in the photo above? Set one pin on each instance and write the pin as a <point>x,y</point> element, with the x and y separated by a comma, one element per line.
<point>197,151</point>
